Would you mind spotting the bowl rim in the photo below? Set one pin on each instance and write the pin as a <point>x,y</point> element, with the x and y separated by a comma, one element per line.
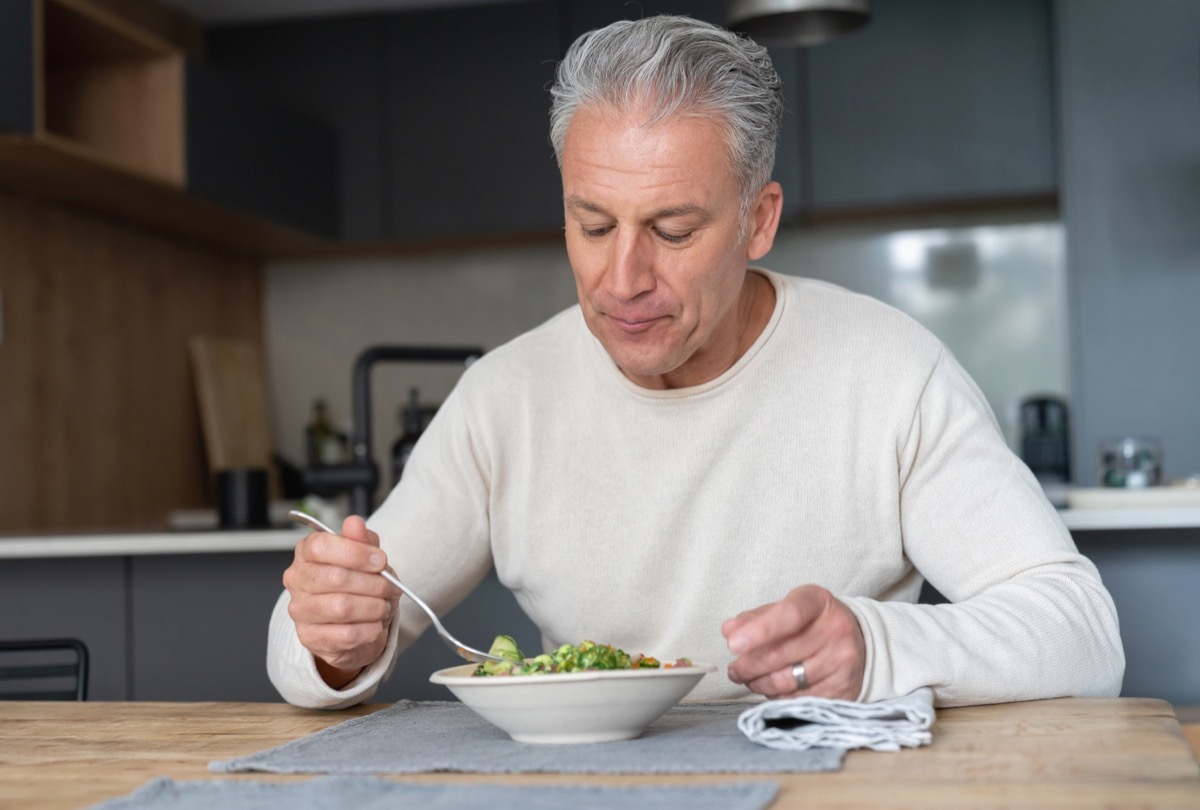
<point>461,675</point>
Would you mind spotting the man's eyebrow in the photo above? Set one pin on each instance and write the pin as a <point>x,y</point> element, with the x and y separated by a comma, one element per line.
<point>575,202</point>
<point>682,211</point>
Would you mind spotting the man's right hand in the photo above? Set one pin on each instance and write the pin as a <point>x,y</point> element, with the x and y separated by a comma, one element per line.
<point>340,605</point>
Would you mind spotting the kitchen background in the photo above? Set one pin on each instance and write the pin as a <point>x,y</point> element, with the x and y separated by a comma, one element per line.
<point>995,293</point>
<point>1022,176</point>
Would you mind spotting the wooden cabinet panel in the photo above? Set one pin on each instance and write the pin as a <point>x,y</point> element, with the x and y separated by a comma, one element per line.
<point>467,142</point>
<point>98,419</point>
<point>935,100</point>
<point>111,90</point>
<point>92,113</point>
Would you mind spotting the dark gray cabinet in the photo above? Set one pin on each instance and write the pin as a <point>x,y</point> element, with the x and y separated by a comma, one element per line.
<point>467,145</point>
<point>442,115</point>
<point>330,69</point>
<point>81,598</point>
<point>250,154</point>
<point>934,101</point>
<point>158,627</point>
<point>198,625</point>
<point>194,626</point>
<point>16,66</point>
<point>1130,93</point>
<point>584,15</point>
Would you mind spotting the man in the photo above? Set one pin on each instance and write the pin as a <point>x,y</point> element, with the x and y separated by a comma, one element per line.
<point>705,460</point>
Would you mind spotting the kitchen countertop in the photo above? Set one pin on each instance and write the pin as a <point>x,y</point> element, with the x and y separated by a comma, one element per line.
<point>1166,517</point>
<point>120,544</point>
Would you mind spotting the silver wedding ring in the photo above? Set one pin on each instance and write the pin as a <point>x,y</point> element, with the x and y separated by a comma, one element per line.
<point>801,678</point>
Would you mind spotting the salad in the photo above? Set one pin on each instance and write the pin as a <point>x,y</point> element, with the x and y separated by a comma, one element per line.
<point>568,658</point>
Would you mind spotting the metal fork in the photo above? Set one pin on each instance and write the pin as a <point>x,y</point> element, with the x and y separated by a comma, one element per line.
<point>469,653</point>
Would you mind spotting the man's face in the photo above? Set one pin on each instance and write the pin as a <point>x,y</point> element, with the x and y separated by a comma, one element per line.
<point>652,223</point>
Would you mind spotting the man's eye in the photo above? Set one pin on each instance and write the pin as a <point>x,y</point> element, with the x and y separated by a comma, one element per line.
<point>595,232</point>
<point>672,238</point>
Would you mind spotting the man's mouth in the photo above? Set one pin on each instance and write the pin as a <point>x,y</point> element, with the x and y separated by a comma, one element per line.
<point>634,324</point>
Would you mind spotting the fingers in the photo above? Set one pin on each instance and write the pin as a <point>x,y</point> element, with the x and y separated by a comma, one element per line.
<point>340,608</point>
<point>730,626</point>
<point>771,624</point>
<point>354,553</point>
<point>355,528</point>
<point>335,579</point>
<point>783,682</point>
<point>339,604</point>
<point>808,626</point>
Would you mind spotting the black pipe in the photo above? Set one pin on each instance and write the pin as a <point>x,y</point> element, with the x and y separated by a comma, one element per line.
<point>360,442</point>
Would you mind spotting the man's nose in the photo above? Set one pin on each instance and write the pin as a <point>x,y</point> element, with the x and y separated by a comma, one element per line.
<point>630,269</point>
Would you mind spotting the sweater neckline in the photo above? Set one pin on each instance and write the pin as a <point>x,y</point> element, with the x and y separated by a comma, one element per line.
<point>614,373</point>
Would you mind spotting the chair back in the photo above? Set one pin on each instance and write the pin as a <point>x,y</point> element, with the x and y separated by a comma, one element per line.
<point>43,669</point>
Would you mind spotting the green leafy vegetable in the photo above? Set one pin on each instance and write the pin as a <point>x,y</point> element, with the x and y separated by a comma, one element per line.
<point>568,658</point>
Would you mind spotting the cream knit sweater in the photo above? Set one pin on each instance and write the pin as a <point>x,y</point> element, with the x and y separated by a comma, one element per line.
<point>846,448</point>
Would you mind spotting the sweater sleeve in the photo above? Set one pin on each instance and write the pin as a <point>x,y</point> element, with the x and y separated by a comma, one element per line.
<point>293,671</point>
<point>441,503</point>
<point>1028,616</point>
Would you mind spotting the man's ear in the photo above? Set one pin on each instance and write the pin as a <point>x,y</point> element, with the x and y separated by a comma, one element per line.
<point>764,220</point>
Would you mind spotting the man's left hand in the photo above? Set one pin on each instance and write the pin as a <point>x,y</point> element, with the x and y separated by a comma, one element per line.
<point>809,626</point>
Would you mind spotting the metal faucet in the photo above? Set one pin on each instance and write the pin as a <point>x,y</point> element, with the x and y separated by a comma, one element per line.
<point>360,476</point>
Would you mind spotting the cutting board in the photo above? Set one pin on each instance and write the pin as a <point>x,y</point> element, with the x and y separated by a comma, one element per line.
<point>231,392</point>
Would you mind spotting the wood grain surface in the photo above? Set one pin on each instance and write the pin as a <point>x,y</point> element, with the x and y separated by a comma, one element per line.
<point>1189,719</point>
<point>98,416</point>
<point>1055,753</point>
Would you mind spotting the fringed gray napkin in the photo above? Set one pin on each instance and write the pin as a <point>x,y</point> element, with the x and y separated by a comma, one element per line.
<point>425,737</point>
<point>373,793</point>
<point>800,724</point>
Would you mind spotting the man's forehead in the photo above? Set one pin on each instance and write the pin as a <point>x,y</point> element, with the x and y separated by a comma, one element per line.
<point>679,162</point>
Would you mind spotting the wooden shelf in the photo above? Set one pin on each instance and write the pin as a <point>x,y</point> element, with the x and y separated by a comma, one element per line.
<point>110,88</point>
<point>108,129</point>
<point>62,170</point>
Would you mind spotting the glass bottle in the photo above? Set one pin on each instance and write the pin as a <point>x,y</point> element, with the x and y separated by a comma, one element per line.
<point>324,443</point>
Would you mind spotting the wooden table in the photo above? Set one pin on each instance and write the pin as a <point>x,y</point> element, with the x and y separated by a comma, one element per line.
<point>1053,753</point>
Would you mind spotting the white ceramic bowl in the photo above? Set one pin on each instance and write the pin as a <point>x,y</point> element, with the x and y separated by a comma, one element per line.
<point>573,707</point>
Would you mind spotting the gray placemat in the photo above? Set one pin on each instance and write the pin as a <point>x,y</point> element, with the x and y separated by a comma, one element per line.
<point>373,793</point>
<point>424,737</point>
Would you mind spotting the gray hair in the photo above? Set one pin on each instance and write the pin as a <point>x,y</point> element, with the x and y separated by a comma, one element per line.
<point>677,66</point>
